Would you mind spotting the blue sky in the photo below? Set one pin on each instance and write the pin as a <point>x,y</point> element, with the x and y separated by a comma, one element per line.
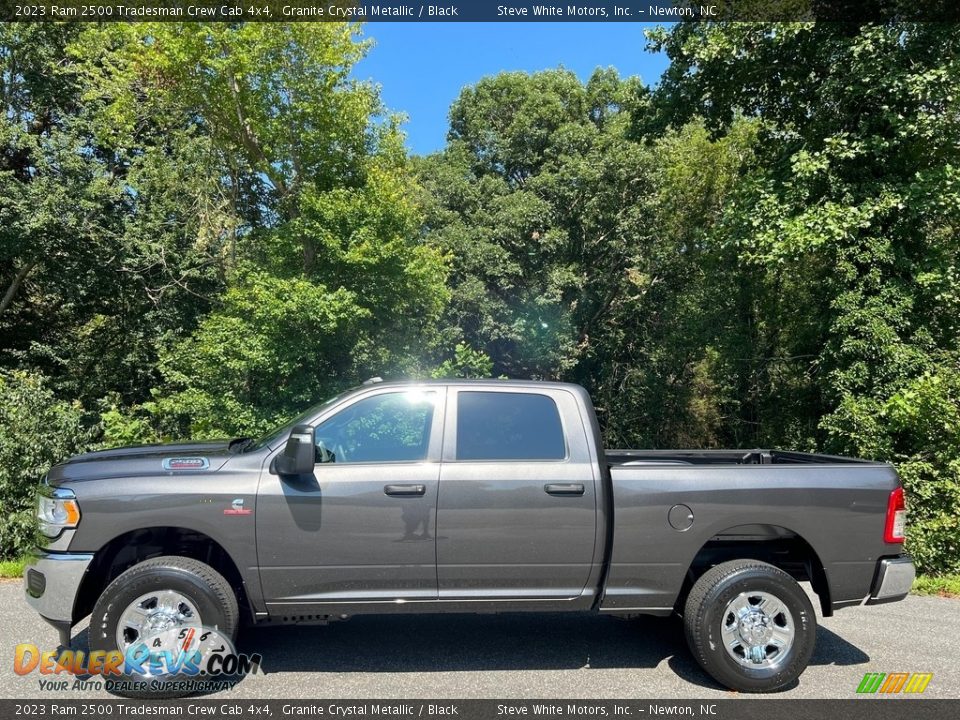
<point>422,66</point>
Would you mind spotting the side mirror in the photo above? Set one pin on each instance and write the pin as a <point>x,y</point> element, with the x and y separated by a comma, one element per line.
<point>297,457</point>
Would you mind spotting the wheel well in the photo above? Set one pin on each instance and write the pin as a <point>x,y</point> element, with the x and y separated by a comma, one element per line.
<point>125,551</point>
<point>772,544</point>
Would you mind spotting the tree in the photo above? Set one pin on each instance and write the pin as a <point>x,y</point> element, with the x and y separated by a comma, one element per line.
<point>851,217</point>
<point>534,199</point>
<point>327,281</point>
<point>108,241</point>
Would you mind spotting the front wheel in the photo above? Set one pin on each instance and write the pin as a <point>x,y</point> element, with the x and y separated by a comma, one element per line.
<point>165,601</point>
<point>750,626</point>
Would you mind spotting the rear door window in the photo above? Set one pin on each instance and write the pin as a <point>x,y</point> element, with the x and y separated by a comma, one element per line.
<point>508,426</point>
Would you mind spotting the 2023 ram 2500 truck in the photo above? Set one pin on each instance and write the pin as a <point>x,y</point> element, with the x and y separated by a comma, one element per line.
<point>472,496</point>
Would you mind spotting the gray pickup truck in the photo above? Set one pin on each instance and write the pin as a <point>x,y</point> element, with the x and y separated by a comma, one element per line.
<point>468,496</point>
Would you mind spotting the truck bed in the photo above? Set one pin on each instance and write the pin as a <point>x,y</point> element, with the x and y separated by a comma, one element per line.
<point>668,504</point>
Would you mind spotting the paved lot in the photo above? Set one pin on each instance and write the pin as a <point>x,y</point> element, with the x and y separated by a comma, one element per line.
<point>537,656</point>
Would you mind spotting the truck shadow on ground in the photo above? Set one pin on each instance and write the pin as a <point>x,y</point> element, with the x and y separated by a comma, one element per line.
<point>452,643</point>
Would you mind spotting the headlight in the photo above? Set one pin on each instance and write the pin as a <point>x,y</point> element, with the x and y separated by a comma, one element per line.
<point>58,509</point>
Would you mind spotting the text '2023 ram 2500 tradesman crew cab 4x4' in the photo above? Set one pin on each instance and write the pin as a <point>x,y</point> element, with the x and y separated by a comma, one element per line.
<point>469,496</point>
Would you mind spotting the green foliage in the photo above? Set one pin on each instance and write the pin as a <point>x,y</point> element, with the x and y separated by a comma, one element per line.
<point>535,200</point>
<point>465,363</point>
<point>206,227</point>
<point>673,366</point>
<point>13,568</point>
<point>850,217</point>
<point>273,345</point>
<point>36,431</point>
<point>326,282</point>
<point>945,585</point>
<point>762,252</point>
<point>921,432</point>
<point>104,245</point>
<point>130,426</point>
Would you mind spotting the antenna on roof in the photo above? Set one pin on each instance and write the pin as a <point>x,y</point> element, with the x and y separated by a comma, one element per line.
<point>373,380</point>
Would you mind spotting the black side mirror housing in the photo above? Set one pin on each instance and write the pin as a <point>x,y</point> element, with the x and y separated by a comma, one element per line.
<point>297,457</point>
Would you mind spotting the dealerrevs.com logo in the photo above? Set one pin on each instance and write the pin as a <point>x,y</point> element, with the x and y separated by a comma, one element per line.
<point>894,683</point>
<point>178,660</point>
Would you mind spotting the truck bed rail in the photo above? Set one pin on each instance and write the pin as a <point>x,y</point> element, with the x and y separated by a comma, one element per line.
<point>725,457</point>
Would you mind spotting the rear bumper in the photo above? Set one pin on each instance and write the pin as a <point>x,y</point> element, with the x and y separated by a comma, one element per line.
<point>51,583</point>
<point>893,580</point>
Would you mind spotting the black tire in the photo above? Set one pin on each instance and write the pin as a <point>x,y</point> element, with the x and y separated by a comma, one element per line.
<point>207,589</point>
<point>705,614</point>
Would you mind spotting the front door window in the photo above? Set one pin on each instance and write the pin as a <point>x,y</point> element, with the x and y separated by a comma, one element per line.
<point>391,427</point>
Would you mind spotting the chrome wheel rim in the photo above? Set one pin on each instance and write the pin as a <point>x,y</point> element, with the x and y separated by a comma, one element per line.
<point>757,630</point>
<point>152,614</point>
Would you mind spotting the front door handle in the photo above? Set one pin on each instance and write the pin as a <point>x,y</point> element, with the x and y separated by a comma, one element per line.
<point>563,488</point>
<point>404,490</point>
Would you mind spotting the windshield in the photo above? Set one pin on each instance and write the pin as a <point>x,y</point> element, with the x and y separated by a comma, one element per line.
<point>277,435</point>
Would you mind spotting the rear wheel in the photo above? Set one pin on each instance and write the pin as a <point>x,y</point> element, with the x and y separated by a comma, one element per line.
<point>160,602</point>
<point>750,626</point>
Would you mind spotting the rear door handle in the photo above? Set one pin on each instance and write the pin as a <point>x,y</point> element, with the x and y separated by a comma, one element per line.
<point>404,490</point>
<point>563,488</point>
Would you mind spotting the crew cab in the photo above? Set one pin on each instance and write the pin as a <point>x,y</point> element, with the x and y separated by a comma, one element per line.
<point>468,496</point>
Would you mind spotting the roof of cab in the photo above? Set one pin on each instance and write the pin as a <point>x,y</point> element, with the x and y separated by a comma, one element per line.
<point>461,381</point>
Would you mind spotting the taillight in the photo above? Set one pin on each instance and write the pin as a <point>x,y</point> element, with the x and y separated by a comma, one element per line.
<point>895,529</point>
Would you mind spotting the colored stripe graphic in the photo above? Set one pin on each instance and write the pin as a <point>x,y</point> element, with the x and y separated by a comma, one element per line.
<point>870,682</point>
<point>893,683</point>
<point>918,682</point>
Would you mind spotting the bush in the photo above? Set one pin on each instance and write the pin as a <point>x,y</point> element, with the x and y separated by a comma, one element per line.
<point>36,431</point>
<point>924,424</point>
<point>917,428</point>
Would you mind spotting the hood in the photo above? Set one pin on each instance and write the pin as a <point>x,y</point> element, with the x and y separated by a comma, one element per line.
<point>172,459</point>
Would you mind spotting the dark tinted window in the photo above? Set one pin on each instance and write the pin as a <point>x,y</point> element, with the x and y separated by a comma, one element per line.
<point>508,426</point>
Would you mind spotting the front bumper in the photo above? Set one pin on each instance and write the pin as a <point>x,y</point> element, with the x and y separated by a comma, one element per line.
<point>51,583</point>
<point>893,580</point>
